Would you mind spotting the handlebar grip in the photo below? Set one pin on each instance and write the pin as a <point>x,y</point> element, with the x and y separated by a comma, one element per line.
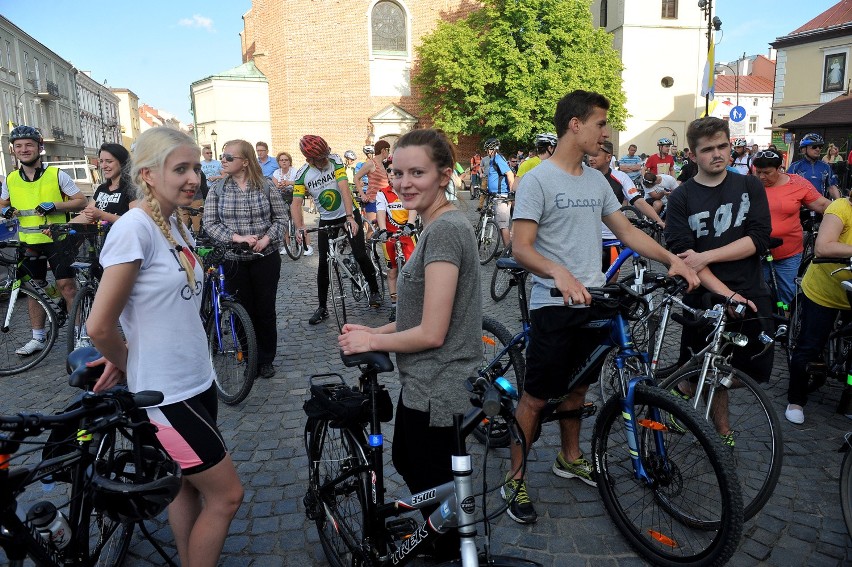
<point>148,398</point>
<point>491,402</point>
<point>686,322</point>
<point>845,261</point>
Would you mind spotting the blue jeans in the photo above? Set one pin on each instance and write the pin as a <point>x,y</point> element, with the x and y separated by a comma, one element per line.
<point>785,275</point>
<point>817,324</point>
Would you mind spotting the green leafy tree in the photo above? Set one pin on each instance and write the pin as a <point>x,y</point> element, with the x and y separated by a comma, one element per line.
<point>501,70</point>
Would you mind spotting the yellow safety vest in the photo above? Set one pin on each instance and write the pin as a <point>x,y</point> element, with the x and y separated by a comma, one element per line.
<point>27,195</point>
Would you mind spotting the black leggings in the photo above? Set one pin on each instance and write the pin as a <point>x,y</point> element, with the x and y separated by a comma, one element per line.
<point>255,285</point>
<point>359,250</point>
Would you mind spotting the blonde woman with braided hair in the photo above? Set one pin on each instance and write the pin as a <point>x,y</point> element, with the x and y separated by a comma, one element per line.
<point>152,285</point>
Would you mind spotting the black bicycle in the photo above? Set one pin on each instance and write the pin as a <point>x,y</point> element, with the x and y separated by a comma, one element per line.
<point>113,474</point>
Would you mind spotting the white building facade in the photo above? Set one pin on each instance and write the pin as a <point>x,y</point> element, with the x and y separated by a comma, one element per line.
<point>99,117</point>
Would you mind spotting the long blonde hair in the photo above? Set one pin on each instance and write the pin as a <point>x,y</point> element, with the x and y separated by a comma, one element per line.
<point>255,176</point>
<point>152,149</point>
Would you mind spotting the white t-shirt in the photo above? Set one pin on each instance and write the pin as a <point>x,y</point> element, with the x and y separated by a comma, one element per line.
<point>166,342</point>
<point>667,184</point>
<point>281,175</point>
<point>631,193</point>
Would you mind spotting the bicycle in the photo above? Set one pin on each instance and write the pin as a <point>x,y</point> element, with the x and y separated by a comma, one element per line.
<point>343,266</point>
<point>113,474</point>
<point>230,333</point>
<point>346,490</point>
<point>501,279</point>
<point>488,236</point>
<point>87,274</point>
<point>732,401</point>
<point>292,245</point>
<point>846,482</point>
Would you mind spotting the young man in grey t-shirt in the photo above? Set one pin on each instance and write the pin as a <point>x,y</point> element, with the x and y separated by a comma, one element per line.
<point>559,204</point>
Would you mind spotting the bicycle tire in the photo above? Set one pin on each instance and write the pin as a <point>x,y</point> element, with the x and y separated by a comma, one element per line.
<point>337,297</point>
<point>76,336</point>
<point>500,284</point>
<point>794,329</point>
<point>489,242</point>
<point>846,490</point>
<point>669,355</point>
<point>378,263</point>
<point>759,441</point>
<point>292,247</point>
<point>339,508</point>
<point>235,360</point>
<point>19,332</point>
<point>694,521</point>
<point>495,337</point>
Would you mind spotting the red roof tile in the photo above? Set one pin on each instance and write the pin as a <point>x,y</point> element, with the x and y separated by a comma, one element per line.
<point>839,14</point>
<point>748,84</point>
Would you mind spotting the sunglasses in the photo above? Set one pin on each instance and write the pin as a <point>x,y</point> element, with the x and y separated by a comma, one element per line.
<point>815,147</point>
<point>767,154</point>
<point>231,157</point>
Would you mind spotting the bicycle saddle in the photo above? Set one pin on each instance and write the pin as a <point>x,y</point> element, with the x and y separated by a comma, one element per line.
<point>375,361</point>
<point>508,263</point>
<point>80,375</point>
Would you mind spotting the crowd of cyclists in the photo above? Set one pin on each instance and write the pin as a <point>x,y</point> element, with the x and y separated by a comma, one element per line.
<point>718,202</point>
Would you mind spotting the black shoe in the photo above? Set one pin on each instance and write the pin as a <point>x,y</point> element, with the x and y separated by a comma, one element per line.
<point>375,299</point>
<point>321,314</point>
<point>266,370</point>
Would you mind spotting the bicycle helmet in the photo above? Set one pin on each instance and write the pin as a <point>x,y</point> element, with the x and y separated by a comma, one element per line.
<point>664,142</point>
<point>314,147</point>
<point>349,154</point>
<point>25,133</point>
<point>369,150</point>
<point>130,494</point>
<point>544,141</point>
<point>740,143</point>
<point>811,140</point>
<point>492,144</point>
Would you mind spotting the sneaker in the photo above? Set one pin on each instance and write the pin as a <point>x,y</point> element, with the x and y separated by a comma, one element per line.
<point>31,347</point>
<point>321,314</point>
<point>520,508</point>
<point>265,371</point>
<point>282,252</point>
<point>674,424</point>
<point>728,440</point>
<point>793,415</point>
<point>581,468</point>
<point>375,299</point>
<point>392,317</point>
<point>309,251</point>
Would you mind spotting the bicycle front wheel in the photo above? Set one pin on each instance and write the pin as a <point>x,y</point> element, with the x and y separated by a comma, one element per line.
<point>16,330</point>
<point>846,490</point>
<point>337,296</point>
<point>758,444</point>
<point>233,349</point>
<point>688,511</point>
<point>76,335</point>
<point>338,483</point>
<point>489,242</point>
<point>292,247</point>
<point>500,284</point>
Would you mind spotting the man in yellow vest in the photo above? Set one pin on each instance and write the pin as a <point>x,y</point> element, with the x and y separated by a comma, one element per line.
<point>40,195</point>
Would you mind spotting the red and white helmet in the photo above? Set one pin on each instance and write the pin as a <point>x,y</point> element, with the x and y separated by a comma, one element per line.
<point>314,147</point>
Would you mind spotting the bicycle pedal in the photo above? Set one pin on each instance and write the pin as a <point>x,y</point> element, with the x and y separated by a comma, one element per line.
<point>401,528</point>
<point>588,410</point>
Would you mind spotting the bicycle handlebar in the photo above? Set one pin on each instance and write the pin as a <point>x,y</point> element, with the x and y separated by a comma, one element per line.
<point>846,261</point>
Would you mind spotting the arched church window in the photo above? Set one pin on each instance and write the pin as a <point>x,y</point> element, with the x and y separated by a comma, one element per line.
<point>388,28</point>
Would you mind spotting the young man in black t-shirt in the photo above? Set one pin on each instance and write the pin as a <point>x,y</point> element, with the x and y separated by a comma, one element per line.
<point>719,223</point>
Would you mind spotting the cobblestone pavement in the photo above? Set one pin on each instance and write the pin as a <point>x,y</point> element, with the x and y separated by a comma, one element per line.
<point>800,525</point>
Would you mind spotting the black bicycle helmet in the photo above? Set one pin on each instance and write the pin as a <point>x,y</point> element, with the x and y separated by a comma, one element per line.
<point>492,144</point>
<point>544,141</point>
<point>664,142</point>
<point>25,133</point>
<point>811,140</point>
<point>126,493</point>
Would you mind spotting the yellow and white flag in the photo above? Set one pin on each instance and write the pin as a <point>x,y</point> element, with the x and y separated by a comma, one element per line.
<point>708,84</point>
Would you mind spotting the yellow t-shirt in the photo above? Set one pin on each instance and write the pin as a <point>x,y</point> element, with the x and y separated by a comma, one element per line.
<point>527,165</point>
<point>818,284</point>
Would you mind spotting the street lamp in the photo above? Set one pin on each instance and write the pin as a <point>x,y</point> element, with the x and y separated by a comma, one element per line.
<point>736,78</point>
<point>713,23</point>
<point>214,136</point>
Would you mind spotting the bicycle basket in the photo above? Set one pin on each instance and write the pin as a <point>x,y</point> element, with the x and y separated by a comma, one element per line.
<point>343,405</point>
<point>9,229</point>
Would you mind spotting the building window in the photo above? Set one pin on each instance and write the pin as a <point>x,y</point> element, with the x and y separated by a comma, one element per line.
<point>388,27</point>
<point>603,13</point>
<point>834,72</point>
<point>752,124</point>
<point>754,102</point>
<point>669,10</point>
<point>10,65</point>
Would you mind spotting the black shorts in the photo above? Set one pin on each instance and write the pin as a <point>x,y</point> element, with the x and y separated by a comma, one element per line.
<point>561,346</point>
<point>60,255</point>
<point>189,434</point>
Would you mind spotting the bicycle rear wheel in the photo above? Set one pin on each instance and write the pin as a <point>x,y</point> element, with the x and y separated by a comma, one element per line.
<point>500,284</point>
<point>233,349</point>
<point>689,511</point>
<point>338,484</point>
<point>76,335</point>
<point>495,337</point>
<point>846,490</point>
<point>337,296</point>
<point>489,242</point>
<point>758,449</point>
<point>292,247</point>
<point>18,331</point>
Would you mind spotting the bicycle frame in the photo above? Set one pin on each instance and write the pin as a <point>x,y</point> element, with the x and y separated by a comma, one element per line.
<point>215,293</point>
<point>335,258</point>
<point>14,283</point>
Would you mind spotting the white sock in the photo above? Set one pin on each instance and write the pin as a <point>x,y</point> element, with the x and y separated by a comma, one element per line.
<point>39,334</point>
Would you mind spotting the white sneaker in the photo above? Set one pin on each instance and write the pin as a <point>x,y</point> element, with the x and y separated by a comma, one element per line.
<point>794,415</point>
<point>309,251</point>
<point>282,251</point>
<point>34,345</point>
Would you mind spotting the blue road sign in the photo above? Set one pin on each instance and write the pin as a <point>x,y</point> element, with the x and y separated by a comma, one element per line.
<point>738,114</point>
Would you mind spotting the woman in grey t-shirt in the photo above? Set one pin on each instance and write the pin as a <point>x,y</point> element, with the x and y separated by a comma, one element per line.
<point>439,316</point>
